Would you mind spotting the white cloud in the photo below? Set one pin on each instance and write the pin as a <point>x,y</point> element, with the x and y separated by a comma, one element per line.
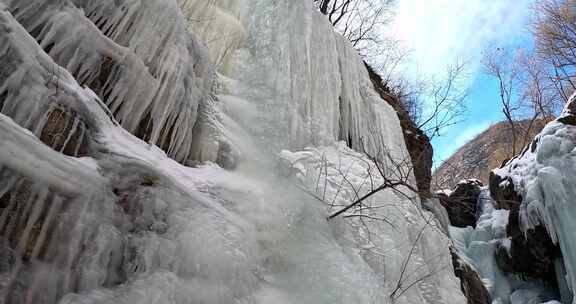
<point>440,31</point>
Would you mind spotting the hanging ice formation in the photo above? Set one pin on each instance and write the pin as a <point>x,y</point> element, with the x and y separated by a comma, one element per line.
<point>106,104</point>
<point>542,176</point>
<point>479,247</point>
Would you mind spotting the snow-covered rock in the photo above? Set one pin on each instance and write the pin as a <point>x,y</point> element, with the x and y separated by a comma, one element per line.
<point>481,248</point>
<point>542,177</point>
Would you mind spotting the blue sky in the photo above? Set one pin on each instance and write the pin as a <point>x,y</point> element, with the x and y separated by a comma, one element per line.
<point>439,32</point>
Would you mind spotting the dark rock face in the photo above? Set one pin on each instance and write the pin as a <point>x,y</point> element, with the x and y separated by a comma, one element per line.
<point>66,132</point>
<point>531,255</point>
<point>420,150</point>
<point>569,115</point>
<point>461,203</point>
<point>470,282</point>
<point>502,191</point>
<point>417,143</point>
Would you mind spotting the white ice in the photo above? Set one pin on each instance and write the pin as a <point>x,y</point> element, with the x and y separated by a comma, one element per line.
<point>477,247</point>
<point>543,176</point>
<point>130,223</point>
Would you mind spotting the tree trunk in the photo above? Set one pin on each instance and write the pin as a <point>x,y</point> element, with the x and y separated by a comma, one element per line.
<point>324,6</point>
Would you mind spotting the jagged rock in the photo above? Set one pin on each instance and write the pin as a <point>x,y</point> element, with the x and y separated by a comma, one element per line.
<point>417,143</point>
<point>537,187</point>
<point>569,115</point>
<point>461,203</point>
<point>66,132</point>
<point>502,191</point>
<point>470,283</point>
<point>530,255</point>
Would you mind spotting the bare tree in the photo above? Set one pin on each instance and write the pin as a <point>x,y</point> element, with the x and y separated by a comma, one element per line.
<point>360,21</point>
<point>340,11</point>
<point>504,67</point>
<point>434,103</point>
<point>353,195</point>
<point>444,101</point>
<point>539,97</point>
<point>529,90</point>
<point>387,59</point>
<point>409,279</point>
<point>554,30</point>
<point>383,173</point>
<point>394,174</point>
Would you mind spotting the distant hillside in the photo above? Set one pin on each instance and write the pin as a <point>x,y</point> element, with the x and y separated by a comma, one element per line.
<point>479,156</point>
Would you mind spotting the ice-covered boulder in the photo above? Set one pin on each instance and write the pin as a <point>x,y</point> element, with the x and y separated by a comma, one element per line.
<point>539,185</point>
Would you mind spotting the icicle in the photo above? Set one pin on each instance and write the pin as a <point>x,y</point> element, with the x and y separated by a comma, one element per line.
<point>218,24</point>
<point>126,223</point>
<point>145,63</point>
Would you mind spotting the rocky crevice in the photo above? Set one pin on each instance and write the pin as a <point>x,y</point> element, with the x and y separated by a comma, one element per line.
<point>461,203</point>
<point>531,254</point>
<point>417,143</point>
<point>470,282</point>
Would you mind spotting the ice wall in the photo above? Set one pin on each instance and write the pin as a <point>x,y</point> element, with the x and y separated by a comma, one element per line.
<point>543,175</point>
<point>154,76</point>
<point>104,103</point>
<point>480,247</point>
<point>405,245</point>
<point>310,80</point>
<point>218,25</point>
<point>158,79</point>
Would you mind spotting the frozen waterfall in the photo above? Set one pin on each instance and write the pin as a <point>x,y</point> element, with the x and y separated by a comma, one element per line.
<point>543,176</point>
<point>117,119</point>
<point>478,246</point>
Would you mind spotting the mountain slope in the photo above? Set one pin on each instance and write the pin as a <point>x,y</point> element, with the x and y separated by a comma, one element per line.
<point>479,156</point>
